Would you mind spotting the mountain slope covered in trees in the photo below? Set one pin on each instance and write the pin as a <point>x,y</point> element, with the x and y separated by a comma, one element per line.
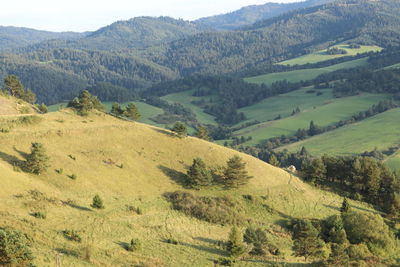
<point>251,14</point>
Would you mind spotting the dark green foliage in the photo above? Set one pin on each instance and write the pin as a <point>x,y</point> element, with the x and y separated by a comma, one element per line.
<point>257,238</point>
<point>172,241</point>
<point>338,256</point>
<point>132,112</point>
<point>73,176</point>
<point>14,249</point>
<point>37,161</point>
<point>116,109</point>
<point>333,230</point>
<point>15,88</point>
<point>198,174</point>
<point>225,262</point>
<point>345,206</point>
<point>314,171</point>
<point>106,91</point>
<point>133,209</point>
<point>369,229</point>
<point>134,245</point>
<point>336,51</point>
<point>97,202</point>
<point>42,108</point>
<point>180,129</point>
<point>235,246</point>
<point>84,103</point>
<point>306,240</point>
<point>220,210</point>
<point>72,235</point>
<point>39,215</point>
<point>274,161</point>
<point>202,133</point>
<point>235,173</point>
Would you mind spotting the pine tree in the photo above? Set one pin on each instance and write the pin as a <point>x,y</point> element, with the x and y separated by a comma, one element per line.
<point>37,160</point>
<point>257,238</point>
<point>313,130</point>
<point>198,174</point>
<point>345,206</point>
<point>338,256</point>
<point>116,109</point>
<point>235,246</point>
<point>132,112</point>
<point>274,161</point>
<point>235,173</point>
<point>97,202</point>
<point>202,133</point>
<point>14,86</point>
<point>180,129</point>
<point>306,240</point>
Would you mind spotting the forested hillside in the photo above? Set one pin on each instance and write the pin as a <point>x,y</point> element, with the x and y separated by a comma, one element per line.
<point>17,37</point>
<point>272,40</point>
<point>251,14</point>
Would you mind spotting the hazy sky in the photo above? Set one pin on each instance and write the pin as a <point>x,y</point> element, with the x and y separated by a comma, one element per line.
<point>89,15</point>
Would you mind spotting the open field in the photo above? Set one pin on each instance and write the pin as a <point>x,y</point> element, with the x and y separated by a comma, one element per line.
<point>381,131</point>
<point>134,164</point>
<point>322,56</point>
<point>185,98</point>
<point>284,104</point>
<point>323,115</point>
<point>304,74</point>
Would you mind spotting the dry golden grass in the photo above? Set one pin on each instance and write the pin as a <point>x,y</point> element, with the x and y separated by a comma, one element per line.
<point>100,144</point>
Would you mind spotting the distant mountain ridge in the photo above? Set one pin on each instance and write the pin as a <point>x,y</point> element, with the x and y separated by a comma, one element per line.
<point>251,14</point>
<point>16,37</point>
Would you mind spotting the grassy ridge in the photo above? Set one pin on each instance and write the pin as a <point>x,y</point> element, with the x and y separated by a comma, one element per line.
<point>380,131</point>
<point>323,56</point>
<point>304,74</point>
<point>153,161</point>
<point>323,115</point>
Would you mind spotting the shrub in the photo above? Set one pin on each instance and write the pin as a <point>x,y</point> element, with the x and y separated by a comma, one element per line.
<point>72,235</point>
<point>14,248</point>
<point>257,238</point>
<point>72,176</point>
<point>221,210</point>
<point>180,129</point>
<point>29,120</point>
<point>134,245</point>
<point>39,215</point>
<point>97,202</point>
<point>42,108</point>
<point>84,103</point>
<point>37,160</point>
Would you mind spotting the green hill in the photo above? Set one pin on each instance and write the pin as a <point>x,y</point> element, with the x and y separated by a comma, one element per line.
<point>132,165</point>
<point>379,131</point>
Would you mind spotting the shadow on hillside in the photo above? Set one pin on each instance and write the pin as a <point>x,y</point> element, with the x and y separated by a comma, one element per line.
<point>217,251</point>
<point>177,176</point>
<point>22,153</point>
<point>164,132</point>
<point>75,206</point>
<point>279,263</point>
<point>123,245</point>
<point>68,252</point>
<point>354,207</point>
<point>207,240</point>
<point>13,160</point>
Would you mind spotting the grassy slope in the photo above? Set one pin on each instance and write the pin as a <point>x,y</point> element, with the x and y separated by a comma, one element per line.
<point>148,154</point>
<point>11,106</point>
<point>304,74</point>
<point>146,111</point>
<point>323,115</point>
<point>322,56</point>
<point>270,108</point>
<point>380,131</point>
<point>185,98</point>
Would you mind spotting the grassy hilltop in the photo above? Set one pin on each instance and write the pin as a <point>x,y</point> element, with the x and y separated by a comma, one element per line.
<point>133,164</point>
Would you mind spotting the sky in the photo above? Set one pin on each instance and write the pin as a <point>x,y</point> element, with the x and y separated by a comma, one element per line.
<point>89,15</point>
